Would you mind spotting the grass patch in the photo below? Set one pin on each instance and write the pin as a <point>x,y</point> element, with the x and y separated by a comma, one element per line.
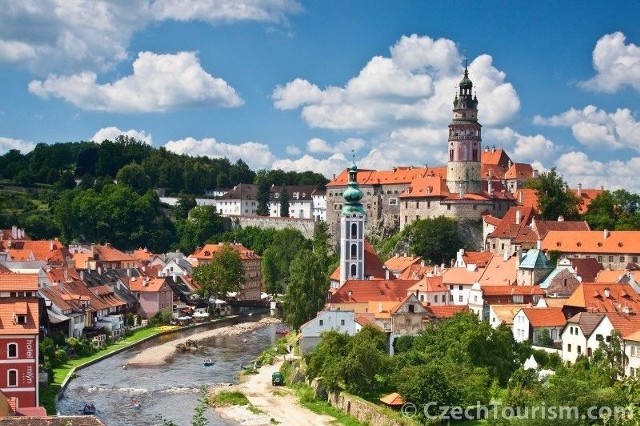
<point>224,398</point>
<point>305,395</point>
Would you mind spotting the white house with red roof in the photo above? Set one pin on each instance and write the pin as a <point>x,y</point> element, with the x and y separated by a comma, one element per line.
<point>342,321</point>
<point>529,323</point>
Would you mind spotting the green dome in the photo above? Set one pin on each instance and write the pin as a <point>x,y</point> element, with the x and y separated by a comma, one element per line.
<point>352,195</point>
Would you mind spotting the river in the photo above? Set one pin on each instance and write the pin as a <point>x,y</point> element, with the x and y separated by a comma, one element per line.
<point>169,392</point>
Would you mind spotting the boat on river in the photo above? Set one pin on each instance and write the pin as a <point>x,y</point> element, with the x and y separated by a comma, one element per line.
<point>89,409</point>
<point>208,362</point>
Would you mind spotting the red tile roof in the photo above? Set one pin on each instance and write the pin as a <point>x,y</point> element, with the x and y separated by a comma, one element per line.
<point>107,253</point>
<point>527,197</point>
<point>429,186</point>
<point>586,196</point>
<point>509,227</point>
<point>206,252</point>
<point>146,284</point>
<point>446,311</point>
<point>605,297</point>
<point>50,251</point>
<point>520,171</point>
<point>625,325</point>
<point>398,264</point>
<point>545,317</point>
<point>18,282</point>
<point>429,285</point>
<point>501,290</point>
<point>614,242</point>
<point>371,290</point>
<point>10,307</point>
<point>398,175</point>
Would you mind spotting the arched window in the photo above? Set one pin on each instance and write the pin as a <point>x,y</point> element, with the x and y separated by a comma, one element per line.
<point>354,230</point>
<point>12,378</point>
<point>12,350</point>
<point>354,251</point>
<point>354,270</point>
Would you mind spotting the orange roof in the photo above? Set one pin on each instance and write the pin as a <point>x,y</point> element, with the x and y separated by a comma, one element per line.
<point>478,258</point>
<point>373,267</point>
<point>545,317</point>
<point>20,255</point>
<point>397,264</point>
<point>460,275</point>
<point>428,186</point>
<point>416,272</point>
<point>382,309</point>
<point>371,290</point>
<point>50,251</point>
<point>206,252</point>
<point>366,319</point>
<point>81,260</point>
<point>605,297</point>
<point>9,308</point>
<point>616,276</point>
<point>393,399</point>
<point>527,197</point>
<point>503,290</point>
<point>58,275</point>
<point>18,282</point>
<point>491,220</point>
<point>634,337</point>
<point>146,284</point>
<point>107,253</point>
<point>510,225</point>
<point>500,271</point>
<point>142,254</point>
<point>626,325</point>
<point>521,171</point>
<point>398,175</point>
<point>605,242</point>
<point>429,285</point>
<point>446,311</point>
<point>586,196</point>
<point>495,157</point>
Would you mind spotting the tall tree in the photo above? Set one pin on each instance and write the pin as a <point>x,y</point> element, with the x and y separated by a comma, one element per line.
<point>204,224</point>
<point>601,213</point>
<point>307,289</point>
<point>223,274</point>
<point>284,201</point>
<point>264,193</point>
<point>554,198</point>
<point>134,176</point>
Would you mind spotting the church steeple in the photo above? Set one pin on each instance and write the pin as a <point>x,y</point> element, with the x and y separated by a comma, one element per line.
<point>352,225</point>
<point>464,167</point>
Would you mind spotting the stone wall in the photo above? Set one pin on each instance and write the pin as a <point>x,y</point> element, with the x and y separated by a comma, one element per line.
<point>365,411</point>
<point>305,226</point>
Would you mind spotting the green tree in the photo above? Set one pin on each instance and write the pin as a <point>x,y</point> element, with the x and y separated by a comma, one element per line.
<point>284,201</point>
<point>601,213</point>
<point>185,203</point>
<point>203,225</point>
<point>307,289</point>
<point>223,274</point>
<point>366,362</point>
<point>435,239</point>
<point>134,176</point>
<point>264,194</point>
<point>326,359</point>
<point>554,199</point>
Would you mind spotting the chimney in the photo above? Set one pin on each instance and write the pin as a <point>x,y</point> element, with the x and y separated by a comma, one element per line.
<point>606,234</point>
<point>379,306</point>
<point>386,273</point>
<point>51,245</point>
<point>349,294</point>
<point>520,197</point>
<point>539,244</point>
<point>82,275</point>
<point>493,148</point>
<point>518,217</point>
<point>14,232</point>
<point>518,256</point>
<point>579,190</point>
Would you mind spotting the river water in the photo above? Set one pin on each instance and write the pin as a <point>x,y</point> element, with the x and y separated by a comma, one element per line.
<point>170,392</point>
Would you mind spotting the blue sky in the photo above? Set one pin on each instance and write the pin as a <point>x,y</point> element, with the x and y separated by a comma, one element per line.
<point>297,85</point>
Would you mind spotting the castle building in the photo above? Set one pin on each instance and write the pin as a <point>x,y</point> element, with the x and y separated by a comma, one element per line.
<point>473,183</point>
<point>352,224</point>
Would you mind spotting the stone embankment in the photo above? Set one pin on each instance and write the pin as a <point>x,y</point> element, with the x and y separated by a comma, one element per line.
<point>161,354</point>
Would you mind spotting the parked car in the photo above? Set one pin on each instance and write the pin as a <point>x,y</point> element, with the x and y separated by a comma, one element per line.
<point>277,379</point>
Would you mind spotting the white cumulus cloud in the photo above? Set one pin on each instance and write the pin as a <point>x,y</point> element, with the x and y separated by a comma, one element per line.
<point>597,128</point>
<point>617,65</point>
<point>110,133</point>
<point>7,144</point>
<point>158,83</point>
<point>522,148</point>
<point>72,36</point>
<point>576,167</point>
<point>256,155</point>
<point>317,145</point>
<point>413,87</point>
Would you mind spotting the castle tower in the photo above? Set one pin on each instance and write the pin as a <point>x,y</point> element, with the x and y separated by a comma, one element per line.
<point>352,225</point>
<point>464,168</point>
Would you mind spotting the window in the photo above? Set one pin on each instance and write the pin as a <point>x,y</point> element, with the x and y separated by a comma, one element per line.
<point>608,339</point>
<point>321,322</point>
<point>621,258</point>
<point>354,270</point>
<point>579,349</point>
<point>451,298</point>
<point>12,350</point>
<point>632,371</point>
<point>634,259</point>
<point>518,299</point>
<point>354,230</point>
<point>460,300</point>
<point>569,347</point>
<point>354,251</point>
<point>12,378</point>
<point>610,258</point>
<point>435,299</point>
<point>21,319</point>
<point>393,201</point>
<point>460,287</point>
<point>422,298</point>
<point>633,351</point>
<point>600,259</point>
<point>588,352</point>
<point>341,322</point>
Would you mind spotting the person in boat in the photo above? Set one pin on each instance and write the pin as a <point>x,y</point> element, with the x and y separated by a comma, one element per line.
<point>135,403</point>
<point>89,408</point>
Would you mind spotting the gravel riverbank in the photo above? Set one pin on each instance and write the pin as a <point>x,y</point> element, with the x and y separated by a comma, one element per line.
<point>161,354</point>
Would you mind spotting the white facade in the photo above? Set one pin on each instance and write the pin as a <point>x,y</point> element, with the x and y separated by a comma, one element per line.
<point>575,343</point>
<point>319,206</point>
<point>340,321</point>
<point>352,247</point>
<point>473,297</point>
<point>522,329</point>
<point>632,351</point>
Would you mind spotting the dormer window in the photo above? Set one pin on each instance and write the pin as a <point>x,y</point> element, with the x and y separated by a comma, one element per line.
<point>20,319</point>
